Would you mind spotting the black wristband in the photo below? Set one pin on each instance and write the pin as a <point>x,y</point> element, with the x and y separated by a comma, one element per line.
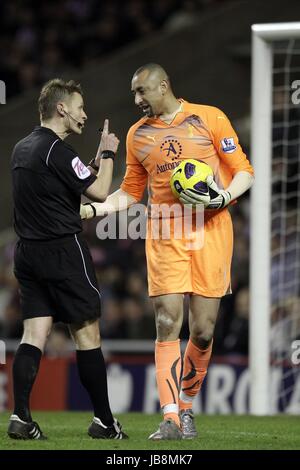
<point>92,163</point>
<point>93,207</point>
<point>108,154</point>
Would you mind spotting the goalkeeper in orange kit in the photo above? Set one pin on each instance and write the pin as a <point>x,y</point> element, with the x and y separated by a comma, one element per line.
<point>170,131</point>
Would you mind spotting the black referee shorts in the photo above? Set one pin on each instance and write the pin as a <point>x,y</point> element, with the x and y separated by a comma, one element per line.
<point>57,278</point>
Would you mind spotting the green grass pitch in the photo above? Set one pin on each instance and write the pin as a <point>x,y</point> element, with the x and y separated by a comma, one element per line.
<point>67,430</point>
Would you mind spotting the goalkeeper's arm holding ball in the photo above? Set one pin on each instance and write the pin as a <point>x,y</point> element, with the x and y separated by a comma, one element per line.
<point>219,198</point>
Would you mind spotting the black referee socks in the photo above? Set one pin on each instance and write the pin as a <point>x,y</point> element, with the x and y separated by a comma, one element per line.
<point>25,368</point>
<point>92,372</point>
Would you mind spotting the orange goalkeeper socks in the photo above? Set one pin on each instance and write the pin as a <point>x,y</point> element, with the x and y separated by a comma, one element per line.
<point>195,365</point>
<point>168,367</point>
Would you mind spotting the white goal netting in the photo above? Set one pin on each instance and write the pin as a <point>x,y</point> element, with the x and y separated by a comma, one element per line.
<point>285,226</point>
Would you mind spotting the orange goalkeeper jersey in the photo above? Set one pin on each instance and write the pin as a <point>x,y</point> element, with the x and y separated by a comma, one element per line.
<point>155,148</point>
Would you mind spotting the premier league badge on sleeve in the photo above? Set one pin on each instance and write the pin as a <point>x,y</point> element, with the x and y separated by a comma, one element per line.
<point>228,145</point>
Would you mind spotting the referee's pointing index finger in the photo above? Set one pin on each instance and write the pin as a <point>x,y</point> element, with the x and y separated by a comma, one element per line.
<point>105,127</point>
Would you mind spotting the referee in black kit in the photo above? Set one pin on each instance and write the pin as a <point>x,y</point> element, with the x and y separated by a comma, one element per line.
<point>52,261</point>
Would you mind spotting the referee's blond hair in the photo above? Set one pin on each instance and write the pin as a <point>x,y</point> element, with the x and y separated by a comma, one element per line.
<point>53,91</point>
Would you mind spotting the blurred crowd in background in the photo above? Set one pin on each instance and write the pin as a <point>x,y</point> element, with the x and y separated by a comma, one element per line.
<point>39,40</point>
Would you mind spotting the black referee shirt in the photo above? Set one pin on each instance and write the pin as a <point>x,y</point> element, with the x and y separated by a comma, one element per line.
<point>48,180</point>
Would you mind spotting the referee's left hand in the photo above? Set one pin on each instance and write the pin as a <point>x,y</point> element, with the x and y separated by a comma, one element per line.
<point>86,211</point>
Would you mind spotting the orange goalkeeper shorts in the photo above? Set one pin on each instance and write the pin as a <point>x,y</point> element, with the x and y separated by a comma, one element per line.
<point>199,263</point>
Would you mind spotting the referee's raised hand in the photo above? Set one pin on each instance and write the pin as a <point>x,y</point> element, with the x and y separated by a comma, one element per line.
<point>109,141</point>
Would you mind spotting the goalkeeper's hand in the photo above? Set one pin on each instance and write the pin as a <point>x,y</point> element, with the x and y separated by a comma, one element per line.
<point>87,211</point>
<point>214,198</point>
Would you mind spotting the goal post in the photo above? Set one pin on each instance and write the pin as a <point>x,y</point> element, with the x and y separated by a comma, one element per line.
<point>264,36</point>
